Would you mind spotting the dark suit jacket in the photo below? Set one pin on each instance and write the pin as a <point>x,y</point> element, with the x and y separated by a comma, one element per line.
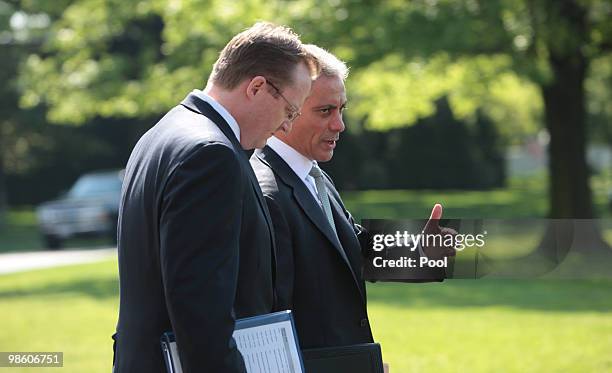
<point>195,244</point>
<point>318,277</point>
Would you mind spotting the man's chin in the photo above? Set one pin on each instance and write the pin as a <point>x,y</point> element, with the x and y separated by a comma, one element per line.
<point>325,157</point>
<point>261,144</point>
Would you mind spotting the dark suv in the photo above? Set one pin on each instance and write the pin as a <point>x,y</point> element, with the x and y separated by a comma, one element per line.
<point>89,208</point>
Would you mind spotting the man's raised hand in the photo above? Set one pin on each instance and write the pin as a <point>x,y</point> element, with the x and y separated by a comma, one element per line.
<point>432,227</point>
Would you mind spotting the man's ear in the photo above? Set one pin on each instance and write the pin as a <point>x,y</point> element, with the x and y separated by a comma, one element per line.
<point>255,86</point>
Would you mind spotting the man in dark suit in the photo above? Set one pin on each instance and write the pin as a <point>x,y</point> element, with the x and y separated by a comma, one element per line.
<point>196,243</point>
<point>319,245</point>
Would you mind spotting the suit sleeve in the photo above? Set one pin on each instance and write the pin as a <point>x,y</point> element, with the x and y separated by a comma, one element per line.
<point>199,232</point>
<point>365,241</point>
<point>285,270</point>
<point>362,235</point>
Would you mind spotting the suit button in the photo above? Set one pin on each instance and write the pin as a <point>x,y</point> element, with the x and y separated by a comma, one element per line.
<point>364,323</point>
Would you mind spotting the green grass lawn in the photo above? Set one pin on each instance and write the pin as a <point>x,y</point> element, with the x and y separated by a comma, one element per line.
<point>70,309</point>
<point>20,233</point>
<point>455,326</point>
<point>494,326</point>
<point>525,197</point>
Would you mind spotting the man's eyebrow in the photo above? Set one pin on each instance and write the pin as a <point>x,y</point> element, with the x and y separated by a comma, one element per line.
<point>329,106</point>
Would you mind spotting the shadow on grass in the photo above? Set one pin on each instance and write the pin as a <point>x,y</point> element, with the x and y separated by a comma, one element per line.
<point>543,295</point>
<point>99,288</point>
<point>398,204</point>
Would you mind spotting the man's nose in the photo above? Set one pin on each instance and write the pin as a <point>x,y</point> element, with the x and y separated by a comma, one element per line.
<point>337,123</point>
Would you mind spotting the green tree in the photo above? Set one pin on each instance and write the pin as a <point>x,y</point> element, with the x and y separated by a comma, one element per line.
<point>20,35</point>
<point>551,43</point>
<point>518,59</point>
<point>130,59</point>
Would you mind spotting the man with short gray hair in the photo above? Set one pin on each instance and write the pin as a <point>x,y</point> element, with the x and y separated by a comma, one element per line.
<point>319,245</point>
<point>318,249</point>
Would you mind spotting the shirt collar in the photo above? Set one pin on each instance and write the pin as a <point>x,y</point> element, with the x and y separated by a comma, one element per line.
<point>221,110</point>
<point>296,161</point>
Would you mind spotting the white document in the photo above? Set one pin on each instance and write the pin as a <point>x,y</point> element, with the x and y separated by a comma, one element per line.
<point>268,344</point>
<point>176,362</point>
<point>269,348</point>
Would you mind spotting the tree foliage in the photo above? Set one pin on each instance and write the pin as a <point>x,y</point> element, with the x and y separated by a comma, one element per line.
<point>522,62</point>
<point>129,59</point>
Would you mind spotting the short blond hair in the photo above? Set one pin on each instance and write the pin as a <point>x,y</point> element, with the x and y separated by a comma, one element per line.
<point>263,49</point>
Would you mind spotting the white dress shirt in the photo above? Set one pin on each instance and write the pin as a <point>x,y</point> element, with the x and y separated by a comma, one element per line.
<point>297,162</point>
<point>221,110</point>
<point>301,166</point>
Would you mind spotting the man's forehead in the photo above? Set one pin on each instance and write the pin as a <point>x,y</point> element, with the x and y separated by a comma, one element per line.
<point>328,91</point>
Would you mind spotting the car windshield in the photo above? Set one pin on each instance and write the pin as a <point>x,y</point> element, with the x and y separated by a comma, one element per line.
<point>91,185</point>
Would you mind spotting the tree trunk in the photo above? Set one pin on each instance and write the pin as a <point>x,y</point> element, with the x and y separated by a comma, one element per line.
<point>570,193</point>
<point>565,117</point>
<point>569,189</point>
<point>565,112</point>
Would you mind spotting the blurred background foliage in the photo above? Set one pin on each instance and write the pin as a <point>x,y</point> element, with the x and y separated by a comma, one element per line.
<point>436,86</point>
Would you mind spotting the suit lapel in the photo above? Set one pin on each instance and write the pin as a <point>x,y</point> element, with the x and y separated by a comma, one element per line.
<point>196,104</point>
<point>347,236</point>
<point>307,202</point>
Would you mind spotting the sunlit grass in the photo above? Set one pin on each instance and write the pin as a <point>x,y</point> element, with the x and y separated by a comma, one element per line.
<point>458,325</point>
<point>525,197</point>
<point>70,309</point>
<point>494,326</point>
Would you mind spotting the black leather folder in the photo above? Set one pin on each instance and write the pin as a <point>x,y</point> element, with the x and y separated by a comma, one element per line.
<point>361,358</point>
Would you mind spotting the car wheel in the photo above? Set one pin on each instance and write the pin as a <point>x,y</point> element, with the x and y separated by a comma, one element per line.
<point>52,242</point>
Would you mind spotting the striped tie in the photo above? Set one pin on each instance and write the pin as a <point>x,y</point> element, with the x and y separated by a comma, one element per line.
<point>315,172</point>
